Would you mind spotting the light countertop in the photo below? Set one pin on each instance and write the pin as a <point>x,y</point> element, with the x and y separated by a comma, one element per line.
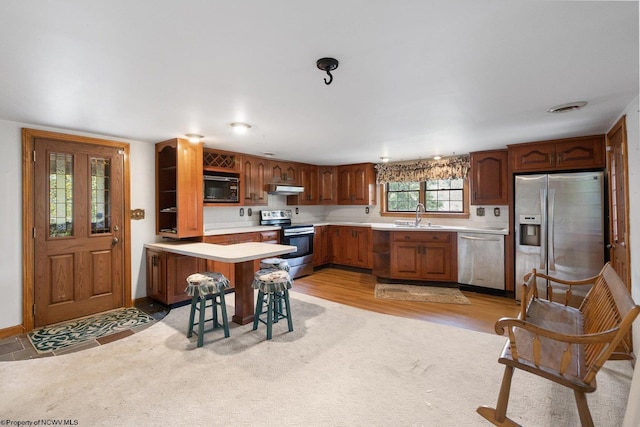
<point>380,226</point>
<point>238,252</point>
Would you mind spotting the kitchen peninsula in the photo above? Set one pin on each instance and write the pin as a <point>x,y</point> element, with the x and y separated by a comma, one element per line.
<point>241,255</point>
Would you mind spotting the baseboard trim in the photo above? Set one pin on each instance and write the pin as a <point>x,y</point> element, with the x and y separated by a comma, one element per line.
<point>11,331</point>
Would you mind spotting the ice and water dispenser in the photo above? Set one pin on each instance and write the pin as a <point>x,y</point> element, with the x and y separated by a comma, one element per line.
<point>530,230</point>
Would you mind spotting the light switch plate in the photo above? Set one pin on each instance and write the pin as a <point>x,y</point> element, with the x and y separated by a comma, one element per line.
<point>137,214</point>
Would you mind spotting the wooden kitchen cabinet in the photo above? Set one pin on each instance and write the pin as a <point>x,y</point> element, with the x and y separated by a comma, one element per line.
<point>557,155</point>
<point>351,246</point>
<point>357,184</point>
<point>307,178</point>
<point>253,181</point>
<point>321,246</point>
<point>328,185</point>
<point>489,177</point>
<point>283,172</point>
<point>167,275</point>
<point>424,255</point>
<point>179,192</point>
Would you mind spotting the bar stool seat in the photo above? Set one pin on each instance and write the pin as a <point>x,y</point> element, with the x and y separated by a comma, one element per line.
<point>275,263</point>
<point>273,289</point>
<point>203,287</point>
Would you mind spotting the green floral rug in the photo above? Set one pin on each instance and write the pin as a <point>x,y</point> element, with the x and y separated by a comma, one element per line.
<point>61,335</point>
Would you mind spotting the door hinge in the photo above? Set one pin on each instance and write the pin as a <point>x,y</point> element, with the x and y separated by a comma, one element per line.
<point>34,232</point>
<point>34,155</point>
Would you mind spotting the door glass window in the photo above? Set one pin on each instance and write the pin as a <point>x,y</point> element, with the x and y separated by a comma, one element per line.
<point>60,194</point>
<point>100,195</point>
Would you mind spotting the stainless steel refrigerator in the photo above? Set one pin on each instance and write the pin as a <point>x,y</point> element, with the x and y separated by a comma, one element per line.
<point>559,227</point>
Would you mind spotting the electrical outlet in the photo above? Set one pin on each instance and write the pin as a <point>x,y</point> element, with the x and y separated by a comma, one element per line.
<point>366,210</point>
<point>496,211</point>
<point>249,211</point>
<point>241,211</point>
<point>480,211</point>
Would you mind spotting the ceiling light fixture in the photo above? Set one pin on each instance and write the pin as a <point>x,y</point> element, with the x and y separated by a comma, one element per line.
<point>384,159</point>
<point>240,128</point>
<point>328,65</point>
<point>565,108</point>
<point>194,138</point>
<point>437,157</point>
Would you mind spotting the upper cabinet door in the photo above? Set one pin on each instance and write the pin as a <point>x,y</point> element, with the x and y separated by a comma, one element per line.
<point>581,153</point>
<point>328,185</point>
<point>357,184</point>
<point>308,179</point>
<point>253,183</point>
<point>282,172</point>
<point>489,177</point>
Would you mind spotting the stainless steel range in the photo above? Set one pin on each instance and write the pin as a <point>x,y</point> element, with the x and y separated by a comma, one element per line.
<point>300,236</point>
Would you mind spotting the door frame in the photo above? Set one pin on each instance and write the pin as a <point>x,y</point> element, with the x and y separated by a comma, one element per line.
<point>28,247</point>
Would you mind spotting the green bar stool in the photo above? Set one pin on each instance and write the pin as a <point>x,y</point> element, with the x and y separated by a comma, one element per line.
<point>276,263</point>
<point>273,288</point>
<point>203,287</point>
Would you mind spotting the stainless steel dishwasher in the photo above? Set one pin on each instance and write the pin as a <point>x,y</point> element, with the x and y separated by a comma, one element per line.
<point>481,260</point>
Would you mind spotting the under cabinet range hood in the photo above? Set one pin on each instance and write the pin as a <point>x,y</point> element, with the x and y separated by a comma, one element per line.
<point>285,190</point>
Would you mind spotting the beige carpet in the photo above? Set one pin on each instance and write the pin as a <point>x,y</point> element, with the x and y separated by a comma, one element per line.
<point>340,367</point>
<point>420,293</point>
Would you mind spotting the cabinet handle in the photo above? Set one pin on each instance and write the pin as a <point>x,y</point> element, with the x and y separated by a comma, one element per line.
<point>551,159</point>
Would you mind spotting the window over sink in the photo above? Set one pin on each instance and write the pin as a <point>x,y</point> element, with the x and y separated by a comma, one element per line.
<point>441,197</point>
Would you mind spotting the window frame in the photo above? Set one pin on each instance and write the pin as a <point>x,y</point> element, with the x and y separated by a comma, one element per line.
<point>465,214</point>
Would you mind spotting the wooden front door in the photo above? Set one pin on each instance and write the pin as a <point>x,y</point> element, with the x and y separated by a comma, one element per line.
<point>78,214</point>
<point>619,201</point>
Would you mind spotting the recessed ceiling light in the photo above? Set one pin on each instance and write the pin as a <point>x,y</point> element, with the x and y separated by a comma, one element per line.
<point>240,128</point>
<point>194,138</point>
<point>565,108</point>
<point>269,154</point>
<point>384,159</point>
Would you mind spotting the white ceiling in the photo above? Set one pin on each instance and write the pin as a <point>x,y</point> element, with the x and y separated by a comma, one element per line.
<point>416,77</point>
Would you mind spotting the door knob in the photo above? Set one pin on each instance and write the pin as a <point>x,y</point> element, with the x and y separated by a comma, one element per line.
<point>115,241</point>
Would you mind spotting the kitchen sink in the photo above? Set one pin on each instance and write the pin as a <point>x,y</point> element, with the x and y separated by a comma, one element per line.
<point>412,224</point>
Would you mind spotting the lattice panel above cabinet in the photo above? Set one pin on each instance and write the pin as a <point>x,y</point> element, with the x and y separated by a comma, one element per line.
<point>221,161</point>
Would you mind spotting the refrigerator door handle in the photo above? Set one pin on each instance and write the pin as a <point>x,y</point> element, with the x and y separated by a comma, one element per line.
<point>543,226</point>
<point>551,243</point>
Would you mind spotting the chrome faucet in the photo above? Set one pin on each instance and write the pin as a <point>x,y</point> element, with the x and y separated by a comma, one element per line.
<point>418,216</point>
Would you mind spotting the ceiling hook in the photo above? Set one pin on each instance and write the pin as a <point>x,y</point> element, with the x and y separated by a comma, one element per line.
<point>330,78</point>
<point>328,65</point>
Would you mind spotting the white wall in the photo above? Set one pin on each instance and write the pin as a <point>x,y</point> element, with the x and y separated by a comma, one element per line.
<point>142,163</point>
<point>11,220</point>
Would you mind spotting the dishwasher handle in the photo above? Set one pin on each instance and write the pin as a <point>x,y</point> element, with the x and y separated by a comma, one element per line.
<point>485,239</point>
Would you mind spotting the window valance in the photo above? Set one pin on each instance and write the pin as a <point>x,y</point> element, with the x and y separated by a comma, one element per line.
<point>421,170</point>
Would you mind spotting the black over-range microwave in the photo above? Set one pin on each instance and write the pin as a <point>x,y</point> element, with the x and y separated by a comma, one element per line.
<point>220,189</point>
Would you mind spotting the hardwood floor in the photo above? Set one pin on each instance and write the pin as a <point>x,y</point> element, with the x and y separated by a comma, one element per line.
<point>357,290</point>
